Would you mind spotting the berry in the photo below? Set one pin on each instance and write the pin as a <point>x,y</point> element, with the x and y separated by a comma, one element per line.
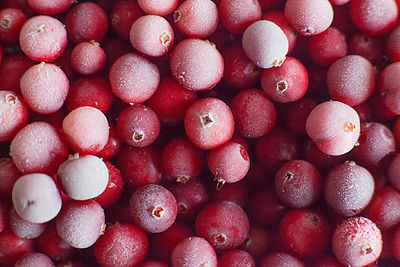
<point>50,7</point>
<point>123,14</point>
<point>265,44</point>
<point>237,15</point>
<point>88,57</point>
<point>23,228</point>
<point>153,208</point>
<point>36,198</point>
<point>11,22</point>
<point>34,258</point>
<point>158,7</point>
<point>357,242</point>
<point>193,251</point>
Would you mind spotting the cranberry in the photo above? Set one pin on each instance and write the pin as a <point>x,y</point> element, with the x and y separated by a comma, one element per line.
<point>122,16</point>
<point>121,245</point>
<point>237,15</point>
<point>88,57</point>
<point>13,247</point>
<point>11,22</point>
<point>193,251</point>
<point>280,259</point>
<point>357,241</point>
<point>237,258</point>
<point>223,224</point>
<point>34,258</point>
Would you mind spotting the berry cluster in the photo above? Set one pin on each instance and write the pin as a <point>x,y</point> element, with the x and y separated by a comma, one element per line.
<point>199,133</point>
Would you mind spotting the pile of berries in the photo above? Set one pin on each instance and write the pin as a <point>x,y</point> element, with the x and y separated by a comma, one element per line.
<point>199,133</point>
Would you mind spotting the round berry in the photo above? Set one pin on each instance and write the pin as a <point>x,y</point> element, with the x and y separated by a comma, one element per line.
<point>88,57</point>
<point>193,251</point>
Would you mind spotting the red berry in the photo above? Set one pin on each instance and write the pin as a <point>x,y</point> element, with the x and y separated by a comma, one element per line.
<point>357,242</point>
<point>88,57</point>
<point>85,22</point>
<point>286,83</point>
<point>13,247</point>
<point>123,14</point>
<point>223,224</point>
<point>265,44</point>
<point>309,17</point>
<point>50,7</point>
<point>305,232</point>
<point>114,188</point>
<point>34,258</point>
<point>196,19</point>
<point>193,251</point>
<point>237,15</point>
<point>152,35</point>
<point>372,20</point>
<point>11,22</point>
<point>209,123</point>
<point>138,125</point>
<point>236,258</point>
<point>43,38</point>
<point>153,208</point>
<point>158,7</point>
<point>280,259</point>
<point>121,245</point>
<point>196,64</point>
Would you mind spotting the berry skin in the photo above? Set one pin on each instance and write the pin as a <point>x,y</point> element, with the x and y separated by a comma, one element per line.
<point>223,224</point>
<point>237,15</point>
<point>158,7</point>
<point>357,242</point>
<point>209,123</point>
<point>122,16</point>
<point>280,259</point>
<point>13,247</point>
<point>34,258</point>
<point>121,245</point>
<point>50,7</point>
<point>265,44</point>
<point>236,258</point>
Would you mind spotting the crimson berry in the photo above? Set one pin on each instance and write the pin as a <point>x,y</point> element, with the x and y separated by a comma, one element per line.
<point>209,123</point>
<point>190,197</point>
<point>196,64</point>
<point>113,145</point>
<point>153,208</point>
<point>122,16</point>
<point>349,188</point>
<point>13,113</point>
<point>88,58</point>
<point>327,47</point>
<point>375,143</point>
<point>355,88</point>
<point>140,166</point>
<point>162,244</point>
<point>298,183</point>
<point>133,78</point>
<point>254,113</point>
<point>196,19</point>
<point>309,17</point>
<point>228,163</point>
<point>38,147</point>
<point>151,35</point>
<point>371,20</point>
<point>153,263</point>
<point>9,173</point>
<point>13,247</point>
<point>80,223</point>
<point>286,83</point>
<point>258,241</point>
<point>382,209</point>
<point>357,242</point>
<point>43,38</point>
<point>369,47</point>
<point>171,100</point>
<point>296,113</point>
<point>11,22</point>
<point>34,258</point>
<point>334,127</point>
<point>23,228</point>
<point>236,192</point>
<point>280,259</point>
<point>305,232</point>
<point>394,172</point>
<point>50,243</point>
<point>94,91</point>
<point>236,258</point>
<point>121,245</point>
<point>114,188</point>
<point>239,71</point>
<point>237,15</point>
<point>85,22</point>
<point>138,125</point>
<point>44,87</point>
<point>279,19</point>
<point>11,70</point>
<point>158,7</point>
<point>388,89</point>
<point>193,251</point>
<point>224,224</point>
<point>182,160</point>
<point>49,7</point>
